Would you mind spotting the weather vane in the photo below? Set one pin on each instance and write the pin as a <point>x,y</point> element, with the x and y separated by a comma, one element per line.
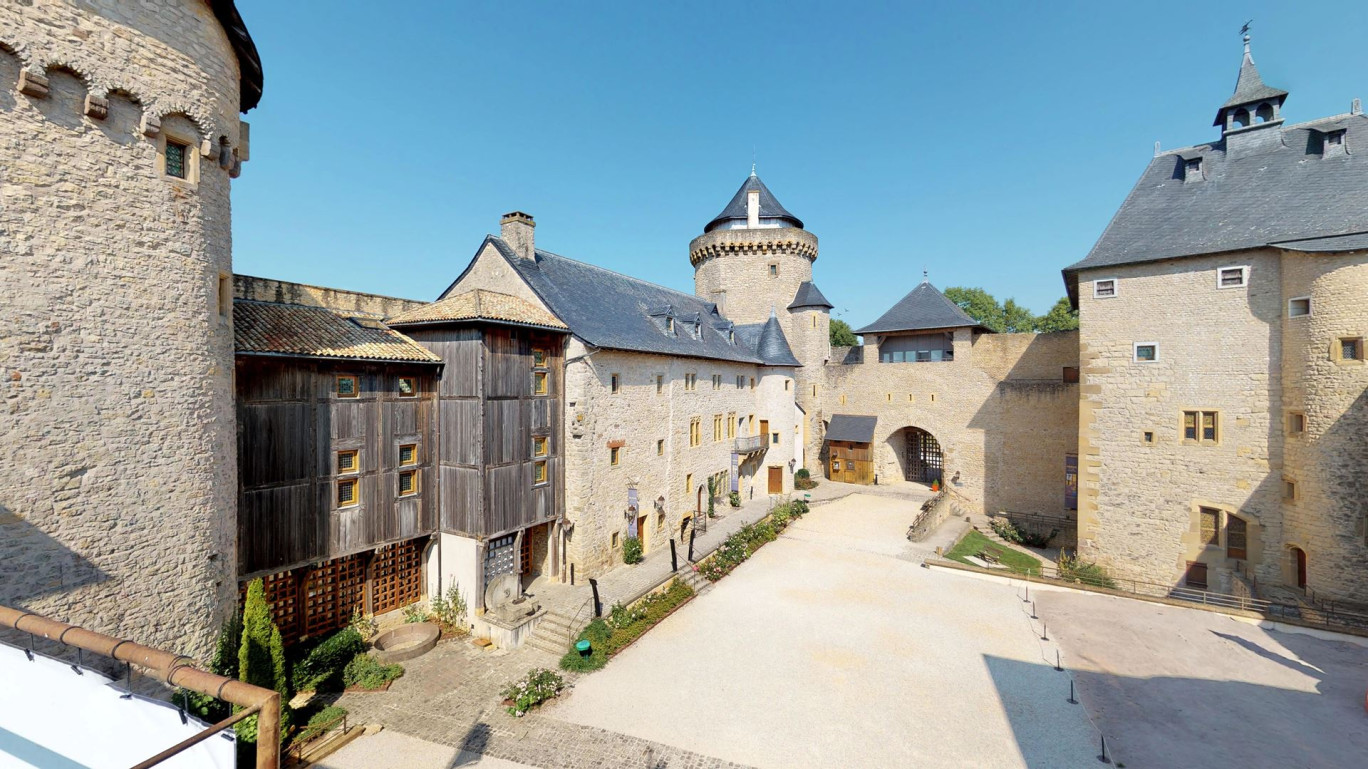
<point>1245,29</point>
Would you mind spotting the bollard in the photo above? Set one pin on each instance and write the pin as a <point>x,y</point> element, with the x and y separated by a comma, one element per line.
<point>1059,666</point>
<point>1072,699</point>
<point>1044,632</point>
<point>1033,611</point>
<point>691,540</point>
<point>598,606</point>
<point>1028,592</point>
<point>674,559</point>
<point>1106,759</point>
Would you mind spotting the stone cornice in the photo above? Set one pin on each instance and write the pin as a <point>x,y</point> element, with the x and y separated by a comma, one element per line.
<point>789,240</point>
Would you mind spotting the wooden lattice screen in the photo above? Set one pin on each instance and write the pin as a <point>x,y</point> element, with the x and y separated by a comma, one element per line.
<point>396,576</point>
<point>282,593</point>
<point>332,592</point>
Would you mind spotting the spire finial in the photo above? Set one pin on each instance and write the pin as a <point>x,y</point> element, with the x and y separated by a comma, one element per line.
<point>926,275</point>
<point>1245,32</point>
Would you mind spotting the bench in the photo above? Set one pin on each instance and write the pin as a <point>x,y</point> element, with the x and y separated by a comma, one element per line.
<point>991,553</point>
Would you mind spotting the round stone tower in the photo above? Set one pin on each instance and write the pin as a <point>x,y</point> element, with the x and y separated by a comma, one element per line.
<point>119,134</point>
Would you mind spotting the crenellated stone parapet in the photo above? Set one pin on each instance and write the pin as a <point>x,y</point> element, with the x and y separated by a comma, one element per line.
<point>757,242</point>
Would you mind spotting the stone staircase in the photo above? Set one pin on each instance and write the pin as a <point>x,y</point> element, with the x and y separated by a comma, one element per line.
<point>554,632</point>
<point>695,580</point>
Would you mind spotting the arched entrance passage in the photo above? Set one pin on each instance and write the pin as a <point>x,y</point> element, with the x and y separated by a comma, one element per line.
<point>922,459</point>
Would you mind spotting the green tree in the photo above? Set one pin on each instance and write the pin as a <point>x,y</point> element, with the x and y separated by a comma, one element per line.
<point>1017,319</point>
<point>1061,317</point>
<point>841,334</point>
<point>261,658</point>
<point>979,305</point>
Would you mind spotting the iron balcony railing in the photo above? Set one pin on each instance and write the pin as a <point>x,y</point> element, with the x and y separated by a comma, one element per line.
<point>750,444</point>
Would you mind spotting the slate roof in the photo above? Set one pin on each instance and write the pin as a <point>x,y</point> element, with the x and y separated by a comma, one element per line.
<point>249,61</point>
<point>809,296</point>
<point>847,427</point>
<point>769,206</point>
<point>267,328</point>
<point>1249,88</point>
<point>610,310</point>
<point>768,342</point>
<point>923,308</point>
<point>479,305</point>
<point>1282,190</point>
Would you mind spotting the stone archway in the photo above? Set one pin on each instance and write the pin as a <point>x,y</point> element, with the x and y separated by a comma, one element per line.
<point>919,454</point>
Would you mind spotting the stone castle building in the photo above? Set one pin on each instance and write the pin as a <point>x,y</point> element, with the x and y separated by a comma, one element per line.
<point>173,430</point>
<point>1223,310</point>
<point>119,137</point>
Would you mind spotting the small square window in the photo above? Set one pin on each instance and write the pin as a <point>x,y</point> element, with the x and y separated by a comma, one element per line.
<point>617,540</point>
<point>176,154</point>
<point>408,387</point>
<point>346,387</point>
<point>408,483</point>
<point>348,461</point>
<point>773,270</point>
<point>539,473</point>
<point>616,383</point>
<point>539,383</point>
<point>1351,348</point>
<point>774,438</point>
<point>538,357</point>
<point>1296,423</point>
<point>346,493</point>
<point>1289,490</point>
<point>408,454</point>
<point>1334,138</point>
<point>1146,352</point>
<point>540,445</point>
<point>660,447</point>
<point>1070,375</point>
<point>1299,307</point>
<point>614,456</point>
<point>1231,277</point>
<point>1104,289</point>
<point>786,385</point>
<point>1148,437</point>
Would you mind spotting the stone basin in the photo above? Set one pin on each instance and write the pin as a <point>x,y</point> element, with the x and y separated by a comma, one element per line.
<point>405,642</point>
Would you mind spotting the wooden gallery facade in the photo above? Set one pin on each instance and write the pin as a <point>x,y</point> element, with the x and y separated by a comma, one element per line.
<point>362,452</point>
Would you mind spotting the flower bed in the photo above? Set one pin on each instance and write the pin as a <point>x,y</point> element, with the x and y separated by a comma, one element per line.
<point>538,686</point>
<point>743,544</point>
<point>623,626</point>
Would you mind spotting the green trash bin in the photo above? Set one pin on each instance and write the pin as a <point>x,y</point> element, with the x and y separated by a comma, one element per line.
<point>583,648</point>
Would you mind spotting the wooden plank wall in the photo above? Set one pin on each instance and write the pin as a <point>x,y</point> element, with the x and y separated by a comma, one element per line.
<point>291,425</point>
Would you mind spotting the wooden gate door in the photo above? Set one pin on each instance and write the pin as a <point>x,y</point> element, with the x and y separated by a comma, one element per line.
<point>776,480</point>
<point>924,459</point>
<point>396,576</point>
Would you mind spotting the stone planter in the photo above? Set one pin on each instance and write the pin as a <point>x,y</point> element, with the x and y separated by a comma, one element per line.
<point>405,642</point>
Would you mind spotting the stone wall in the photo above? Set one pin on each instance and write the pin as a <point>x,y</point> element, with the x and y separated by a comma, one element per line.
<point>117,448</point>
<point>340,300</point>
<point>1003,415</point>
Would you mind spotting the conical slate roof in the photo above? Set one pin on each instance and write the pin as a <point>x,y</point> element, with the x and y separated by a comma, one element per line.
<point>809,296</point>
<point>769,206</point>
<point>1249,88</point>
<point>774,348</point>
<point>924,308</point>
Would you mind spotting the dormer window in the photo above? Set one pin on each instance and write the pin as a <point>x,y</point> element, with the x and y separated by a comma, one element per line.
<point>1335,138</point>
<point>669,325</point>
<point>1192,170</point>
<point>1332,143</point>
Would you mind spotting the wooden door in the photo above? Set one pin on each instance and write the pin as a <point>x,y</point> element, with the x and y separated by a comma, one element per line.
<point>641,532</point>
<point>1301,565</point>
<point>776,480</point>
<point>764,430</point>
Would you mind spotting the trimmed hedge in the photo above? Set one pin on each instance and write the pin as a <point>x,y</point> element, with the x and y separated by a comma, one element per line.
<point>322,668</point>
<point>366,672</point>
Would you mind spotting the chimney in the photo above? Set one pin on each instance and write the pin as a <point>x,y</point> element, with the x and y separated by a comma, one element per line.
<point>516,230</point>
<point>753,208</point>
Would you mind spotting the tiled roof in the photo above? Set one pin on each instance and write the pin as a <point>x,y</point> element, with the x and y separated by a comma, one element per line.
<point>856,429</point>
<point>809,296</point>
<point>923,308</point>
<point>266,328</point>
<point>479,304</point>
<point>768,342</point>
<point>1270,191</point>
<point>611,310</point>
<point>769,206</point>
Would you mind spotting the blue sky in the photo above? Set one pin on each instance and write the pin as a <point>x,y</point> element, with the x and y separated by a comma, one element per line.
<point>988,143</point>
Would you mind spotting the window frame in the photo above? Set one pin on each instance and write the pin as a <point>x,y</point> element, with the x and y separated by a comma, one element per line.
<point>614,456</point>
<point>540,383</point>
<point>355,464</point>
<point>1244,276</point>
<point>413,457</point>
<point>1202,512</point>
<point>413,386</point>
<point>1200,427</point>
<point>614,383</point>
<point>1310,307</point>
<point>355,385</point>
<point>352,483</point>
<point>1337,349</point>
<point>1135,352</point>
<point>539,468</point>
<point>412,475</point>
<point>1115,288</point>
<point>1230,548</point>
<point>1297,417</point>
<point>772,269</point>
<point>660,447</point>
<point>695,431</point>
<point>541,446</point>
<point>1290,492</point>
<point>539,357</point>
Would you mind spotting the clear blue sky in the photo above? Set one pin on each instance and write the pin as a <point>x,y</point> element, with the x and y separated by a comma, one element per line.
<point>989,143</point>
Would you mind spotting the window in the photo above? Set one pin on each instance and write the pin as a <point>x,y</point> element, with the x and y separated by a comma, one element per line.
<point>1200,426</point>
<point>538,473</point>
<point>1296,423</point>
<point>911,398</point>
<point>346,387</point>
<point>408,387</point>
<point>786,385</point>
<point>1104,289</point>
<point>408,454</point>
<point>541,445</point>
<point>538,382</point>
<point>1299,307</point>
<point>774,438</point>
<point>1196,575</point>
<point>1232,277</point>
<point>1070,374</point>
<point>1335,138</point>
<point>669,325</point>
<point>774,269</point>
<point>1146,352</point>
<point>1289,490</point>
<point>617,540</point>
<point>842,399</point>
<point>225,295</point>
<point>731,425</point>
<point>740,383</point>
<point>814,391</point>
<point>1192,170</point>
<point>348,461</point>
<point>616,383</point>
<point>346,493</point>
<point>614,456</point>
<point>1147,437</point>
<point>717,428</point>
<point>1351,348</point>
<point>717,381</point>
<point>660,384</point>
<point>176,156</point>
<point>695,431</point>
<point>752,383</point>
<point>1210,533</point>
<point>690,382</point>
<point>1236,537</point>
<point>660,447</point>
<point>408,483</point>
<point>688,484</point>
<point>888,397</point>
<point>814,320</point>
<point>538,357</point>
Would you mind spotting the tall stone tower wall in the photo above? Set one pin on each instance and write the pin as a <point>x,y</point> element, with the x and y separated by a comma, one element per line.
<point>736,263</point>
<point>117,445</point>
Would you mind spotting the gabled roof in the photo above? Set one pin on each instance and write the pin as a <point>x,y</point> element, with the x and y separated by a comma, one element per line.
<point>769,206</point>
<point>1267,192</point>
<point>923,308</point>
<point>848,427</point>
<point>768,342</point>
<point>267,328</point>
<point>1249,88</point>
<point>610,310</point>
<point>479,305</point>
<point>809,296</point>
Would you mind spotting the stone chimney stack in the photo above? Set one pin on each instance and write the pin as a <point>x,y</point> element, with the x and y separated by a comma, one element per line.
<point>752,209</point>
<point>516,229</point>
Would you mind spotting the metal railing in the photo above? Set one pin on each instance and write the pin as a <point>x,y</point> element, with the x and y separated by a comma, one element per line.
<point>173,670</point>
<point>314,732</point>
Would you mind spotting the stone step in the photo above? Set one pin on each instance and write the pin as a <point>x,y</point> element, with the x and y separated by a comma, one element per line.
<point>547,645</point>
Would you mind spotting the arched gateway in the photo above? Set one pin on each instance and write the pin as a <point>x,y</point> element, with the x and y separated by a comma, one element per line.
<point>923,461</point>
